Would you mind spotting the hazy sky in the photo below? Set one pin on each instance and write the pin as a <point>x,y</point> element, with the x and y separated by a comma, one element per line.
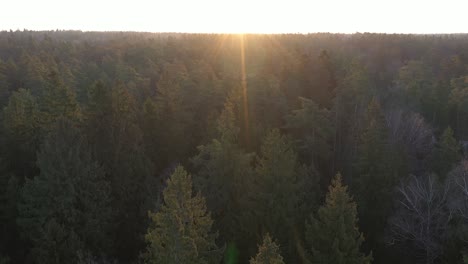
<point>268,16</point>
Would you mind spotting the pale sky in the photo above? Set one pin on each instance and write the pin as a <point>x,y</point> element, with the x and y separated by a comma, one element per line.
<point>238,16</point>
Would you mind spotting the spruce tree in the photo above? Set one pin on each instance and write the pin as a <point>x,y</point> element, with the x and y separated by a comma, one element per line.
<point>333,235</point>
<point>223,172</point>
<point>279,191</point>
<point>374,174</point>
<point>313,129</point>
<point>353,96</point>
<point>181,231</point>
<point>66,208</point>
<point>268,253</point>
<point>373,145</point>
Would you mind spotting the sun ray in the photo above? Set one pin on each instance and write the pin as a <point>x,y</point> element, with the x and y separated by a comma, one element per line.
<point>244,90</point>
<point>221,39</point>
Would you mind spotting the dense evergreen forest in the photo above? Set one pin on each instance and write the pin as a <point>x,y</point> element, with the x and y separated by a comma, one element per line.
<point>210,148</point>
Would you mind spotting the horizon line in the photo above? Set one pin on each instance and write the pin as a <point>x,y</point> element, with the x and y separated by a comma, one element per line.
<point>233,33</point>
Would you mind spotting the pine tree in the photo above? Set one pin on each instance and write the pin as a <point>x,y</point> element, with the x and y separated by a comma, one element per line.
<point>65,209</point>
<point>181,230</point>
<point>268,253</point>
<point>333,235</point>
<point>446,154</point>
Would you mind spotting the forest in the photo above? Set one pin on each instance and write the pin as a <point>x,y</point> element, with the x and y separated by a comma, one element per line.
<point>126,147</point>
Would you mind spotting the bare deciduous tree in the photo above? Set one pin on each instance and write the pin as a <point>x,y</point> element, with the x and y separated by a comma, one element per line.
<point>422,216</point>
<point>458,198</point>
<point>458,178</point>
<point>410,130</point>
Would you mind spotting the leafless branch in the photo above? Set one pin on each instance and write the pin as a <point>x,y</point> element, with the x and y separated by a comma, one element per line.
<point>422,216</point>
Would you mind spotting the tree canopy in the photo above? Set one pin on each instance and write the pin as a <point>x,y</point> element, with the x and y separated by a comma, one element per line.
<point>96,126</point>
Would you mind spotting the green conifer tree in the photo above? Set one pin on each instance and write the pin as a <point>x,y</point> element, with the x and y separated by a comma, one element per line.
<point>373,145</point>
<point>4,86</point>
<point>375,174</point>
<point>268,253</point>
<point>279,192</point>
<point>112,128</point>
<point>223,172</point>
<point>173,106</point>
<point>314,130</point>
<point>57,100</point>
<point>181,230</point>
<point>22,132</point>
<point>333,235</point>
<point>65,209</point>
